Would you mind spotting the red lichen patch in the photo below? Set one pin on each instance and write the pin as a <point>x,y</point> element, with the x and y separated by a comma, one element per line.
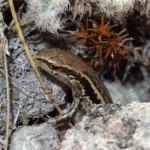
<point>105,40</point>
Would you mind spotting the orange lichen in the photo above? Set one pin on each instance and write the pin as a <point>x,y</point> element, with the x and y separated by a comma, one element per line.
<point>82,34</point>
<point>103,39</point>
<point>102,28</point>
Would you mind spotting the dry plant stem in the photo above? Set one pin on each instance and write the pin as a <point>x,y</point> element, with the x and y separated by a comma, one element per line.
<point>4,49</point>
<point>8,102</point>
<point>27,51</point>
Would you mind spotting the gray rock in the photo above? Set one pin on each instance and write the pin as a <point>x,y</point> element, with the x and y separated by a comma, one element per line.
<point>122,94</point>
<point>112,127</point>
<point>43,137</point>
<point>127,93</point>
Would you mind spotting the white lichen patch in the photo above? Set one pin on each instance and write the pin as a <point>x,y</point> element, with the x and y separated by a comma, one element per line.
<point>46,14</point>
<point>82,7</point>
<point>115,7</point>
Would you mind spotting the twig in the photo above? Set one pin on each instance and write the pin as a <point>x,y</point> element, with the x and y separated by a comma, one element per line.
<point>8,101</point>
<point>27,51</point>
<point>4,48</point>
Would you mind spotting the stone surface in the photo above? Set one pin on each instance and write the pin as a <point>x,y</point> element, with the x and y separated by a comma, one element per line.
<point>43,137</point>
<point>123,94</point>
<point>127,93</point>
<point>112,127</point>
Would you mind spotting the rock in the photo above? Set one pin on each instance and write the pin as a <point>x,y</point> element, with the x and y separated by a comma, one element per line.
<point>123,94</point>
<point>42,137</point>
<point>112,127</point>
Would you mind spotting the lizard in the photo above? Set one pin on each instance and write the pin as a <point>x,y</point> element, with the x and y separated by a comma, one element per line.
<point>75,73</point>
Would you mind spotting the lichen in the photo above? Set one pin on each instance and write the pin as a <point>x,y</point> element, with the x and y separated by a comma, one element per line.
<point>46,14</point>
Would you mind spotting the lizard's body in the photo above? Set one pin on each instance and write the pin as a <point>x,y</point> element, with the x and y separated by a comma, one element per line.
<point>79,76</point>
